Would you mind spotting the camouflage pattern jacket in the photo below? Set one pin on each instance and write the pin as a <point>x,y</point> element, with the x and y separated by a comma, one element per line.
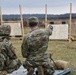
<point>6,48</point>
<point>35,44</point>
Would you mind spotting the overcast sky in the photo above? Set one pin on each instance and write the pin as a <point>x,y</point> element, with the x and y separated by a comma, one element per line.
<point>37,6</point>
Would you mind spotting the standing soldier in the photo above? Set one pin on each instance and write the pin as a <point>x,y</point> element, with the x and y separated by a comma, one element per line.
<point>34,49</point>
<point>8,58</point>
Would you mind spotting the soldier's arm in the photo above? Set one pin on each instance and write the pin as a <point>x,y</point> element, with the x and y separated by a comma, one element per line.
<point>49,30</point>
<point>10,51</point>
<point>24,48</point>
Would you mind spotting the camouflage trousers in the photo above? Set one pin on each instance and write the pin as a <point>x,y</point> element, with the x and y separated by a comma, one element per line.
<point>42,66</point>
<point>12,64</point>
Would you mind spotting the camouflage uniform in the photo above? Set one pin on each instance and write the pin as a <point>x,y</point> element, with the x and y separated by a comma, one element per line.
<point>34,49</point>
<point>8,59</point>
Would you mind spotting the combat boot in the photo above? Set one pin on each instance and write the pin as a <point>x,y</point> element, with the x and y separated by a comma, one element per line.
<point>40,70</point>
<point>30,71</point>
<point>3,73</point>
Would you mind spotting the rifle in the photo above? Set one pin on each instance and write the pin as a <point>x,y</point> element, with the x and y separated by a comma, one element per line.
<point>52,60</point>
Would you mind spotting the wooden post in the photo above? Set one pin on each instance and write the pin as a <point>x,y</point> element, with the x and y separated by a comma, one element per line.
<point>1,15</point>
<point>70,27</point>
<point>45,15</point>
<point>21,22</point>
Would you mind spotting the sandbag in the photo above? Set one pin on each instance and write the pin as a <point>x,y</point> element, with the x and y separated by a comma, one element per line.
<point>60,64</point>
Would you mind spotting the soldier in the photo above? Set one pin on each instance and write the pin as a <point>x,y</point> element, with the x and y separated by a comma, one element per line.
<point>8,58</point>
<point>34,49</point>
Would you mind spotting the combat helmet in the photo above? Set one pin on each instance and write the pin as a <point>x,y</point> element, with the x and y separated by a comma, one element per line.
<point>33,19</point>
<point>5,30</point>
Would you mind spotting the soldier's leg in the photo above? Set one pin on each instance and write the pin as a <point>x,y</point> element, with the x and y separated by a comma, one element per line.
<point>45,71</point>
<point>40,70</point>
<point>14,65</point>
<point>48,71</point>
<point>30,71</point>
